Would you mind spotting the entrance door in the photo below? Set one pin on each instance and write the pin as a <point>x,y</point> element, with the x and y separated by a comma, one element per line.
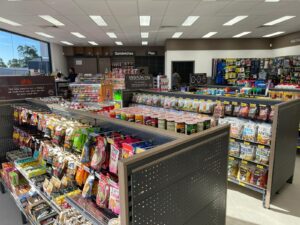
<point>184,69</point>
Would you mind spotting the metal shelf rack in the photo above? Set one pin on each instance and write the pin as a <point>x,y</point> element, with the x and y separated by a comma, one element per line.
<point>283,146</point>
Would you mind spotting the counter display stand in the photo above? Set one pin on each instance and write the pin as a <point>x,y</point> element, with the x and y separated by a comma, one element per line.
<point>283,140</point>
<point>183,178</point>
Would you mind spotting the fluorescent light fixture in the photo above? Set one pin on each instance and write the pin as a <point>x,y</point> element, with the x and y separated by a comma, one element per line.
<point>44,34</point>
<point>144,42</point>
<point>98,20</point>
<point>145,21</point>
<point>242,34</point>
<point>52,20</point>
<point>272,0</point>
<point>144,34</point>
<point>111,35</point>
<point>66,43</point>
<point>9,22</point>
<point>77,34</point>
<point>274,34</point>
<point>119,43</point>
<point>189,21</point>
<point>93,43</point>
<point>210,34</point>
<point>177,34</point>
<point>280,20</point>
<point>234,20</point>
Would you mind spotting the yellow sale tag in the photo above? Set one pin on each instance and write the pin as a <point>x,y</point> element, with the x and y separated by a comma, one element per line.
<point>232,140</point>
<point>253,105</point>
<point>260,146</point>
<point>234,103</point>
<point>244,162</point>
<point>246,143</point>
<point>243,104</point>
<point>260,166</point>
<point>230,158</point>
<point>226,102</point>
<point>242,184</point>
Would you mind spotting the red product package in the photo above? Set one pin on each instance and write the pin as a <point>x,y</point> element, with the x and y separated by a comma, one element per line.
<point>101,154</point>
<point>103,191</point>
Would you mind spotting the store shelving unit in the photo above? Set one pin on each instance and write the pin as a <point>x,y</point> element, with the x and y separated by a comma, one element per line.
<point>39,192</point>
<point>157,180</point>
<point>283,141</point>
<point>25,217</point>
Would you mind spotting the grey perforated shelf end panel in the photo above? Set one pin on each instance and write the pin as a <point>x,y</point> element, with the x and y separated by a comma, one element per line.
<point>6,130</point>
<point>286,144</point>
<point>187,186</point>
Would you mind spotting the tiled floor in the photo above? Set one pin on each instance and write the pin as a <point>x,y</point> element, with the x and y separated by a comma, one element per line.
<point>243,207</point>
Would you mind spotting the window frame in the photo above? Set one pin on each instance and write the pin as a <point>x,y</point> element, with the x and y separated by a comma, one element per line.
<point>36,39</point>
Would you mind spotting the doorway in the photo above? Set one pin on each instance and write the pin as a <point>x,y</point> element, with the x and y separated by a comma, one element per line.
<point>184,69</point>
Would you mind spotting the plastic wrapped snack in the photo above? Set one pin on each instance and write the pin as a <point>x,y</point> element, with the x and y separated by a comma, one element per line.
<point>234,148</point>
<point>249,132</point>
<point>264,134</point>
<point>236,129</point>
<point>252,111</point>
<point>233,167</point>
<point>244,173</point>
<point>228,109</point>
<point>219,111</point>
<point>244,110</point>
<point>263,113</point>
<point>259,177</point>
<point>247,151</point>
<point>262,154</point>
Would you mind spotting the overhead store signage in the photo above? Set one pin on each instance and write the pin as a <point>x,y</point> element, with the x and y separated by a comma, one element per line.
<point>19,87</point>
<point>123,53</point>
<point>138,81</point>
<point>151,53</point>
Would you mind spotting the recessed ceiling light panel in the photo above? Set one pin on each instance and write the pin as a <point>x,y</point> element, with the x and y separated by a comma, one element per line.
<point>145,21</point>
<point>144,34</point>
<point>52,20</point>
<point>93,43</point>
<point>242,34</point>
<point>210,34</point>
<point>177,34</point>
<point>98,20</point>
<point>279,20</point>
<point>67,43</point>
<point>189,21</point>
<point>119,43</point>
<point>235,20</point>
<point>144,42</point>
<point>274,34</point>
<point>111,35</point>
<point>44,34</point>
<point>77,34</point>
<point>9,22</point>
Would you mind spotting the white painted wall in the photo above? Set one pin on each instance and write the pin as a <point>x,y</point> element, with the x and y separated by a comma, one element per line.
<point>294,50</point>
<point>59,61</point>
<point>203,58</point>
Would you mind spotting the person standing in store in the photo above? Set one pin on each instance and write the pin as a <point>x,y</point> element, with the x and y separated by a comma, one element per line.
<point>176,80</point>
<point>72,74</point>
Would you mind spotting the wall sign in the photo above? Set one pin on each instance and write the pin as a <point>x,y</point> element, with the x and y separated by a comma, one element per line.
<point>138,81</point>
<point>198,79</point>
<point>123,53</point>
<point>19,87</point>
<point>151,53</point>
<point>78,62</point>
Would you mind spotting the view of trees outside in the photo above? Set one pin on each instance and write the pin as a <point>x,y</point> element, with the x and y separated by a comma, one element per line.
<point>19,54</point>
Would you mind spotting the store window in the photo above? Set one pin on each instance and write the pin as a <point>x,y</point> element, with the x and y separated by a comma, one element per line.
<point>21,55</point>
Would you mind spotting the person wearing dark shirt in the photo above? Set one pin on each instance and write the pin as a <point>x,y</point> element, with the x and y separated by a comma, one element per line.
<point>72,74</point>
